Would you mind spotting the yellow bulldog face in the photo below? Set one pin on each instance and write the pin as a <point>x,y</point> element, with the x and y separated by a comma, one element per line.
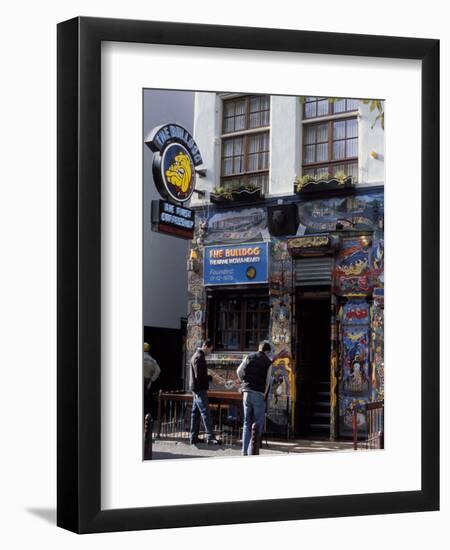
<point>179,172</point>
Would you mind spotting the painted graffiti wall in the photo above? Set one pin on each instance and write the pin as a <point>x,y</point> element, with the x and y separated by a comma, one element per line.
<point>357,303</point>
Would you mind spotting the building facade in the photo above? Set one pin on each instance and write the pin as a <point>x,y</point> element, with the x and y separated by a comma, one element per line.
<point>289,247</point>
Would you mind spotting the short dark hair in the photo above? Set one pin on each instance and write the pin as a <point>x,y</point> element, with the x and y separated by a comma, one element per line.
<point>207,343</point>
<point>265,346</point>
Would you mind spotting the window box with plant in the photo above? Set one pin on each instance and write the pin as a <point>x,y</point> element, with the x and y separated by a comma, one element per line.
<point>247,192</point>
<point>322,182</point>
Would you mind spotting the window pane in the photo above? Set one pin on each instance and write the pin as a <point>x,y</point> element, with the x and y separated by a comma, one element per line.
<point>238,165</point>
<point>339,150</point>
<point>252,163</point>
<point>352,148</point>
<point>352,104</point>
<point>309,154</point>
<point>310,110</point>
<point>255,120</point>
<point>255,104</point>
<point>322,107</point>
<point>227,148</point>
<point>339,106</point>
<point>227,167</point>
<point>238,145</point>
<point>251,321</point>
<point>352,128</point>
<point>339,130</point>
<point>254,144</point>
<point>228,125</point>
<point>322,152</point>
<point>228,109</point>
<point>231,340</point>
<point>322,132</point>
<point>310,134</point>
<point>240,107</point>
<point>239,123</point>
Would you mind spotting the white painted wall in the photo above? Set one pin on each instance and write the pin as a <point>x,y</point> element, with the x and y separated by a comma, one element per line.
<point>371,140</point>
<point>206,132</point>
<point>285,143</point>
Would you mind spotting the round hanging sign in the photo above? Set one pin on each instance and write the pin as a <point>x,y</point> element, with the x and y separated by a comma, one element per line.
<point>176,157</point>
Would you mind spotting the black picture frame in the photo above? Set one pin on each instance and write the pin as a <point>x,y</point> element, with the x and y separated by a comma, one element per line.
<point>79,281</point>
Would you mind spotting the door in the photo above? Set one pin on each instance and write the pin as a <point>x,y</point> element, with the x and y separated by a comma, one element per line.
<point>313,363</point>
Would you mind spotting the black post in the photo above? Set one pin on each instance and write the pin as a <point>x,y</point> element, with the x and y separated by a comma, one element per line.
<point>148,432</point>
<point>254,440</point>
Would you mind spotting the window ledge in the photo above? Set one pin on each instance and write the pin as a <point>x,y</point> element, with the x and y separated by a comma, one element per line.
<point>259,130</point>
<point>326,118</point>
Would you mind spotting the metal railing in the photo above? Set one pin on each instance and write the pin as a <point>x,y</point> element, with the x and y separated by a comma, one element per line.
<point>174,416</point>
<point>374,413</point>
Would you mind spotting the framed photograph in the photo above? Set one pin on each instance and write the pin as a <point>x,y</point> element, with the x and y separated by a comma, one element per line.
<point>248,260</point>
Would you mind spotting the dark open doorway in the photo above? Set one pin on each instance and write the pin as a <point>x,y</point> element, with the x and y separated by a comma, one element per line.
<point>313,363</point>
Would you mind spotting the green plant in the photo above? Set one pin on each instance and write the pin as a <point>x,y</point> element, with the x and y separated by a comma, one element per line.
<point>323,176</point>
<point>376,104</point>
<point>341,176</point>
<point>249,187</point>
<point>301,181</point>
<point>224,192</point>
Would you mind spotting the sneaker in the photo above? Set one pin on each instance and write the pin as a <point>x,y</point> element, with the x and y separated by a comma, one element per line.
<point>213,441</point>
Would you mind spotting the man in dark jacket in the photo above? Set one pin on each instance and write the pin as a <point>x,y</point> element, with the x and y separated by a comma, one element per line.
<point>199,386</point>
<point>255,373</point>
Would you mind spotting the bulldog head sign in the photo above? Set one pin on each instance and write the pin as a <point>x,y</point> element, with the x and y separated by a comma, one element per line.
<point>174,162</point>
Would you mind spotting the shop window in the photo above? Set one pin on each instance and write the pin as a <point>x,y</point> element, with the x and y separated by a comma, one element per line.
<point>331,147</point>
<point>239,322</point>
<point>245,153</point>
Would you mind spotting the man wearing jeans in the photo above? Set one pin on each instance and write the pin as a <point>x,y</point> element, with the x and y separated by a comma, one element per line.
<point>199,386</point>
<point>255,373</point>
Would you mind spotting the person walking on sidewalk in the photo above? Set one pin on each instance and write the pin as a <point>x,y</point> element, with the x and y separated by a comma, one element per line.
<point>200,380</point>
<point>255,374</point>
<point>151,372</point>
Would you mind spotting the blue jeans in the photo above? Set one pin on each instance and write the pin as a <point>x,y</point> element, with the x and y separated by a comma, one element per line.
<point>254,411</point>
<point>200,408</point>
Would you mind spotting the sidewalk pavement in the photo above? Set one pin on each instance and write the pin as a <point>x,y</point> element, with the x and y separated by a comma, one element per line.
<point>180,448</point>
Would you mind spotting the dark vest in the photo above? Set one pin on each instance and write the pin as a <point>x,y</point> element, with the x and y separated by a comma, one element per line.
<point>256,372</point>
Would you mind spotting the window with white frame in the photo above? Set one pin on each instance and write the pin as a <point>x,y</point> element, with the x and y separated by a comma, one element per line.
<point>245,142</point>
<point>330,137</point>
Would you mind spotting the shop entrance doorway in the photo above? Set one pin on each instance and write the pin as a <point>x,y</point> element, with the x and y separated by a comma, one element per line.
<point>313,362</point>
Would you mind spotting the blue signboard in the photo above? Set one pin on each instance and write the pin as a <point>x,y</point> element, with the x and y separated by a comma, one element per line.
<point>236,264</point>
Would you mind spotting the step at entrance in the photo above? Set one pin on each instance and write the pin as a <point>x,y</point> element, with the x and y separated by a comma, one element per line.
<point>319,422</point>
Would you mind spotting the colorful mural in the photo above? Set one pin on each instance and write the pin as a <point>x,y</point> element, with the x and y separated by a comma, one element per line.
<point>377,345</point>
<point>351,276</point>
<point>361,212</point>
<point>222,367</point>
<point>357,300</point>
<point>280,293</point>
<point>355,368</point>
<point>231,226</point>
<point>355,361</point>
<point>281,395</point>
